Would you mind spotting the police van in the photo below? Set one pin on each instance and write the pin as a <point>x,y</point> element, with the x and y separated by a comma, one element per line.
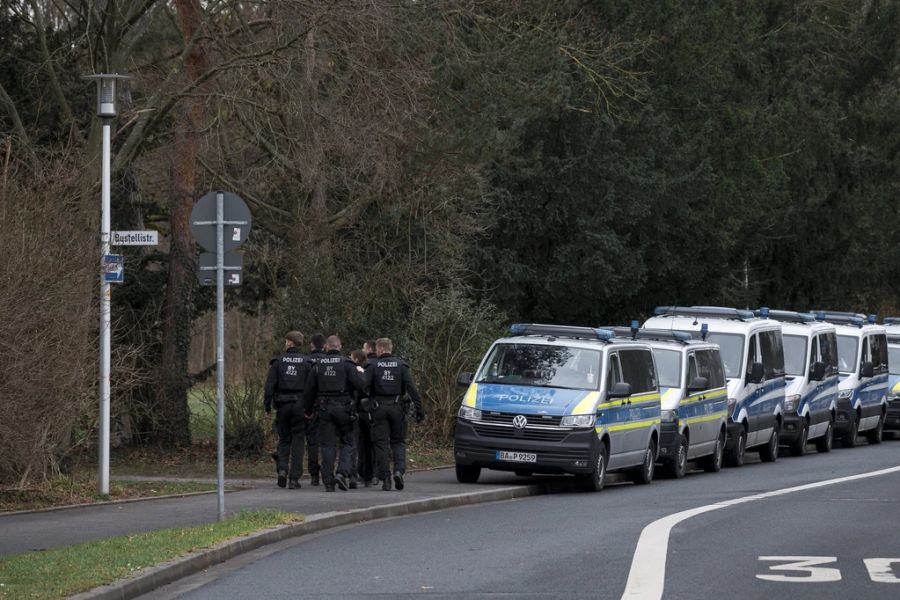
<point>560,399</point>
<point>863,370</point>
<point>811,373</point>
<point>751,350</point>
<point>892,421</point>
<point>693,400</point>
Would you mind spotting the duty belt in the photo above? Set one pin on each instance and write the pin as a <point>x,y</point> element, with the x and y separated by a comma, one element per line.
<point>388,399</point>
<point>288,398</point>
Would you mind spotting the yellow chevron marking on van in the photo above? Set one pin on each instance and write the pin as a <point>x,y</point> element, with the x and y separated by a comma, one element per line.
<point>587,404</point>
<point>670,393</point>
<point>610,404</point>
<point>720,393</point>
<point>644,397</point>
<point>704,418</point>
<point>635,425</point>
<point>896,389</point>
<point>471,394</point>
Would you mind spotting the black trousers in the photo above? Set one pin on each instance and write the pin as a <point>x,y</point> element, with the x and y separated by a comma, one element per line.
<point>291,426</point>
<point>312,445</point>
<point>364,451</point>
<point>335,423</point>
<point>389,433</point>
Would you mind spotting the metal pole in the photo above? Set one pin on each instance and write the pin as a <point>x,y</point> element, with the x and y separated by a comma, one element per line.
<point>220,351</point>
<point>105,296</point>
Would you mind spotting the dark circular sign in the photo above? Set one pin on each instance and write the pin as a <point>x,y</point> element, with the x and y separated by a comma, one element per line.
<point>236,215</point>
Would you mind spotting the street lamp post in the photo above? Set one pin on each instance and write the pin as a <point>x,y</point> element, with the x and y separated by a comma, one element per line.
<point>106,110</point>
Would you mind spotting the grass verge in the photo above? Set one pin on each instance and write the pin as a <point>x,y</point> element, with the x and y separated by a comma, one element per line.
<point>63,572</point>
<point>82,489</point>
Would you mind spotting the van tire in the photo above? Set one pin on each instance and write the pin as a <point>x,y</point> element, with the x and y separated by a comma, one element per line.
<point>467,473</point>
<point>851,438</point>
<point>677,467</point>
<point>798,446</point>
<point>736,455</point>
<point>644,474</point>
<point>769,452</point>
<point>874,436</point>
<point>595,481</point>
<point>825,443</point>
<point>713,462</point>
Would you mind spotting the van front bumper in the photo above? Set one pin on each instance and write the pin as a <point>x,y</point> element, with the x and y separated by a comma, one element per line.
<point>669,439</point>
<point>844,416</point>
<point>892,420</point>
<point>474,445</point>
<point>791,427</point>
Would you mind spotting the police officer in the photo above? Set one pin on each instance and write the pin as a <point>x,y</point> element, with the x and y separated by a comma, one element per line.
<point>331,387</point>
<point>284,388</point>
<point>363,451</point>
<point>316,351</point>
<point>389,382</point>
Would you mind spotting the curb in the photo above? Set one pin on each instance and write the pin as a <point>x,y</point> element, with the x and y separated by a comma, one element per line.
<point>154,577</point>
<point>105,503</point>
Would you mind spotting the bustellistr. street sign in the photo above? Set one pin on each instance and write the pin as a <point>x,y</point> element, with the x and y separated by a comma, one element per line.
<point>134,238</point>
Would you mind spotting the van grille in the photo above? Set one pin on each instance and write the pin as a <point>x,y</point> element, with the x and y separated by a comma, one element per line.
<point>544,435</point>
<point>506,419</point>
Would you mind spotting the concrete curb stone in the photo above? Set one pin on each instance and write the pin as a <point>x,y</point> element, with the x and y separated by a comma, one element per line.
<point>105,503</point>
<point>157,576</point>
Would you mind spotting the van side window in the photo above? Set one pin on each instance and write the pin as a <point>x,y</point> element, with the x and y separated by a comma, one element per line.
<point>637,369</point>
<point>814,352</point>
<point>752,354</point>
<point>879,353</point>
<point>613,372</point>
<point>772,350</point>
<point>830,352</point>
<point>866,353</point>
<point>693,372</point>
<point>710,363</point>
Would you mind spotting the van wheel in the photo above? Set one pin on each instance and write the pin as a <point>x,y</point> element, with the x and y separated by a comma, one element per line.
<point>875,435</point>
<point>798,446</point>
<point>644,474</point>
<point>769,453</point>
<point>713,462</point>
<point>824,443</point>
<point>736,454</point>
<point>678,467</point>
<point>467,473</point>
<point>596,480</point>
<point>850,438</point>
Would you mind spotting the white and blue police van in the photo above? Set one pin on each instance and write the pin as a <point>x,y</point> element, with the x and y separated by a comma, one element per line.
<point>863,371</point>
<point>752,352</point>
<point>693,400</point>
<point>560,399</point>
<point>892,421</point>
<point>811,373</point>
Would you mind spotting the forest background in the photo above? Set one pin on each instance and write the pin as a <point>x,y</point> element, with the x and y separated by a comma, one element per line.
<point>428,170</point>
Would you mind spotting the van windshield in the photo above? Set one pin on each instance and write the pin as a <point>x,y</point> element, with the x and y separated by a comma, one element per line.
<point>732,349</point>
<point>668,367</point>
<point>795,355</point>
<point>847,345</point>
<point>544,366</point>
<point>894,359</point>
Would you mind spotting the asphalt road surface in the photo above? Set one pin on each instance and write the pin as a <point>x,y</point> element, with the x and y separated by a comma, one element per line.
<point>740,533</point>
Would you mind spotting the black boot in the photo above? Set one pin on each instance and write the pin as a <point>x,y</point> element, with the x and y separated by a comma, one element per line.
<point>314,479</point>
<point>386,484</point>
<point>398,480</point>
<point>282,478</point>
<point>294,484</point>
<point>341,480</point>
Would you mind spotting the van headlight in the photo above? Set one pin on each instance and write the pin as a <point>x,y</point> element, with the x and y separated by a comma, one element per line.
<point>669,416</point>
<point>468,413</point>
<point>577,421</point>
<point>845,394</point>
<point>791,402</point>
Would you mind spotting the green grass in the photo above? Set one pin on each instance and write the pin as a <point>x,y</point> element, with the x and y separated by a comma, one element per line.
<point>202,413</point>
<point>62,572</point>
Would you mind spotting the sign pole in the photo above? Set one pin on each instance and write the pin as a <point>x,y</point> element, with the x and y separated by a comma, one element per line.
<point>105,310</point>
<point>220,351</point>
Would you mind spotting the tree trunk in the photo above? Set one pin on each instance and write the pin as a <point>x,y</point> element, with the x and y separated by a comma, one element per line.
<point>171,414</point>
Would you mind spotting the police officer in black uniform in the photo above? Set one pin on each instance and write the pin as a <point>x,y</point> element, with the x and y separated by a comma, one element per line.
<point>389,382</point>
<point>332,387</point>
<point>284,388</point>
<point>316,351</point>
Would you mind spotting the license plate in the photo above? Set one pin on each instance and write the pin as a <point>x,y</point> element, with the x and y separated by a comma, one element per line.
<point>526,457</point>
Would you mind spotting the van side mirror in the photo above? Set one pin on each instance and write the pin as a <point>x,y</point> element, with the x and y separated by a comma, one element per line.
<point>620,390</point>
<point>868,370</point>
<point>698,385</point>
<point>817,372</point>
<point>757,373</point>
<point>464,379</point>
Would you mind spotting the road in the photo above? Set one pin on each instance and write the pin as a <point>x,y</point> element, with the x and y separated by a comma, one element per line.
<point>581,545</point>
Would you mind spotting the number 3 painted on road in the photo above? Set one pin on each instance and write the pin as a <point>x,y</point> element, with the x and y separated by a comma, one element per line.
<point>805,564</point>
<point>880,570</point>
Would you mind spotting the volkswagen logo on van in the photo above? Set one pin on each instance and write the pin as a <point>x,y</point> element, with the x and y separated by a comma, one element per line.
<point>519,421</point>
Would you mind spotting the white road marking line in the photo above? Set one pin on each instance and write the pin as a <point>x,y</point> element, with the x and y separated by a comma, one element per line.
<point>880,569</point>
<point>805,564</point>
<point>647,577</point>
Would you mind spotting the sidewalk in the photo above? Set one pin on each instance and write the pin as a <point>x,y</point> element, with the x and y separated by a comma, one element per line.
<point>43,530</point>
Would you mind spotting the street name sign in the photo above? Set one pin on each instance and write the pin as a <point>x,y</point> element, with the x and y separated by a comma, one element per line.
<point>134,238</point>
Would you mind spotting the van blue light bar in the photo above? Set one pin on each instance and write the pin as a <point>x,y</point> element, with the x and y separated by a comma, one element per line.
<point>891,321</point>
<point>712,312</point>
<point>790,316</point>
<point>660,335</point>
<point>564,331</point>
<point>872,319</point>
<point>841,318</point>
